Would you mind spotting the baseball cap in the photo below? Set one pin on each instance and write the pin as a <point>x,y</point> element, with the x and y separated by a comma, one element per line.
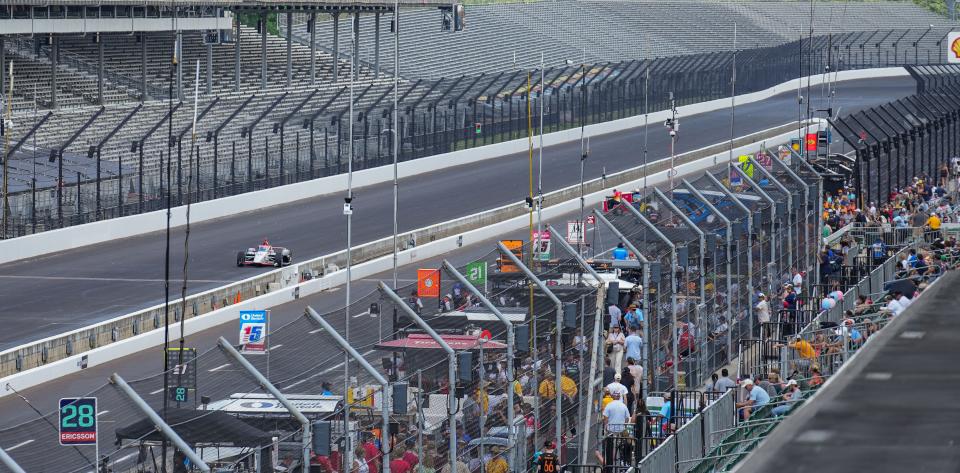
<point>747,382</point>
<point>792,382</point>
<point>761,295</point>
<point>618,376</point>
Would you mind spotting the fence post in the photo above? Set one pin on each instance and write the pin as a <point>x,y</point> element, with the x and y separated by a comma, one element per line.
<point>267,385</point>
<point>155,418</point>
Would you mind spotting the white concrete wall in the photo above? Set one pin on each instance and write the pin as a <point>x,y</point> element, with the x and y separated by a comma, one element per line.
<point>124,227</point>
<point>153,338</point>
<point>110,25</point>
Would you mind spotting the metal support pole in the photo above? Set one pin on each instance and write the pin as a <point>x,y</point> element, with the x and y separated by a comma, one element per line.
<point>511,342</point>
<point>313,60</point>
<point>159,423</point>
<point>54,59</point>
<point>144,93</point>
<point>356,45</point>
<point>5,459</point>
<point>289,48</point>
<point>179,54</point>
<point>384,385</point>
<point>451,370</point>
<point>376,46</point>
<point>558,399</point>
<point>99,69</point>
<point>209,69</point>
<point>269,387</point>
<point>263,50</point>
<point>236,56</point>
<point>336,46</point>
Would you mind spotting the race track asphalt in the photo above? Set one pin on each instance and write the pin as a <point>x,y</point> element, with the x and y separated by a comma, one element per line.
<point>51,294</point>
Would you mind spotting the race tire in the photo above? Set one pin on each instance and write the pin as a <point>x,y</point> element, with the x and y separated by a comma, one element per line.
<point>241,256</point>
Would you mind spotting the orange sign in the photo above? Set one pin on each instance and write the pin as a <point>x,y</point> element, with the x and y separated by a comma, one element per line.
<point>428,282</point>
<point>955,49</point>
<point>504,263</point>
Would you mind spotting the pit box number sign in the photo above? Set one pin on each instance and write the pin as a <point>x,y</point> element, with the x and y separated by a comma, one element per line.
<point>78,421</point>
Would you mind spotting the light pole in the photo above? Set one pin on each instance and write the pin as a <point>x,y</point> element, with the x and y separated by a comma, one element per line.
<point>584,151</point>
<point>348,211</point>
<point>396,135</point>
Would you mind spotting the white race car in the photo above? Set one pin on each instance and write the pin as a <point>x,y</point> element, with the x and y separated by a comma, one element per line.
<point>265,254</point>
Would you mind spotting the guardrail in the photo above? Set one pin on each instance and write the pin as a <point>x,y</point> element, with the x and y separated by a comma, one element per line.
<point>43,352</point>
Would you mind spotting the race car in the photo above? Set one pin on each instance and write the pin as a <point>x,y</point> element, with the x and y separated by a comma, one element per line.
<point>265,254</point>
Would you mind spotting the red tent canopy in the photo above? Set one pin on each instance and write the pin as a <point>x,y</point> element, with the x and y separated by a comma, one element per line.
<point>422,341</point>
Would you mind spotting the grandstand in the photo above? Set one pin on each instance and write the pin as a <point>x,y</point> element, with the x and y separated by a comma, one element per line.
<point>507,36</point>
<point>261,124</point>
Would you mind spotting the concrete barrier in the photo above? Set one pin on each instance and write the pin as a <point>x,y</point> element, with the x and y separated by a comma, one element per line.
<point>38,362</point>
<point>124,227</point>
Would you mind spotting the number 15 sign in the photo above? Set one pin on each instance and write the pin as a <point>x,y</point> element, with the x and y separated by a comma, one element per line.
<point>253,330</point>
<point>78,421</point>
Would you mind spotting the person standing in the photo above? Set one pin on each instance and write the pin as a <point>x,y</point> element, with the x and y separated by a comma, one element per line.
<point>547,461</point>
<point>763,314</point>
<point>615,347</point>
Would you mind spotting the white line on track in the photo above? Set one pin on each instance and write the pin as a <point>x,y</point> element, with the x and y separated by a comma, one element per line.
<point>25,442</point>
<point>315,331</point>
<point>157,391</point>
<point>361,314</point>
<point>103,412</point>
<point>219,367</point>
<point>118,460</point>
<point>73,278</point>
<point>275,347</point>
<point>338,365</point>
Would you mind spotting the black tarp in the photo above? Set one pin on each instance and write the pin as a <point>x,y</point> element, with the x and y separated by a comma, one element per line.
<point>199,427</point>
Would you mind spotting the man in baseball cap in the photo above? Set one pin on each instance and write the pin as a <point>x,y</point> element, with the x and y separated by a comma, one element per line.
<point>757,397</point>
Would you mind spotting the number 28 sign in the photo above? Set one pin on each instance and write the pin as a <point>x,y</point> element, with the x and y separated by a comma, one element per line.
<point>78,421</point>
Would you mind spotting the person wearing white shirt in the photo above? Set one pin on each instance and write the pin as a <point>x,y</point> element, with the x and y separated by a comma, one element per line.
<point>797,281</point>
<point>615,315</point>
<point>903,300</point>
<point>616,387</point>
<point>763,309</point>
<point>893,306</point>
<point>616,415</point>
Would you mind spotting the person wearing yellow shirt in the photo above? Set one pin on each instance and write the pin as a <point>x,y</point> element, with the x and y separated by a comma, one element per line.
<point>607,399</point>
<point>497,464</point>
<point>934,223</point>
<point>548,391</point>
<point>568,386</point>
<point>804,349</point>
